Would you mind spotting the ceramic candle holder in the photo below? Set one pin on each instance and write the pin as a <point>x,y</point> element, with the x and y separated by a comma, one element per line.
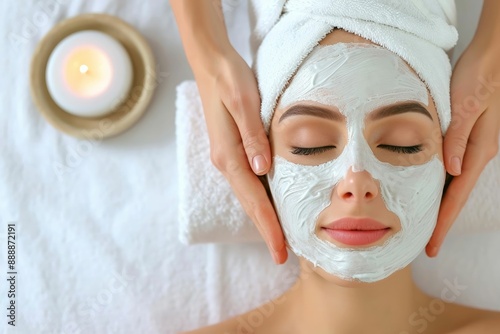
<point>124,115</point>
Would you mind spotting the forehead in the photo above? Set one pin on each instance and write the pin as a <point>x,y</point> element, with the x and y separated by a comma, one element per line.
<point>353,76</point>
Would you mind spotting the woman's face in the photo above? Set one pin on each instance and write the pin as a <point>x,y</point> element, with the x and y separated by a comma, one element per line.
<point>357,172</point>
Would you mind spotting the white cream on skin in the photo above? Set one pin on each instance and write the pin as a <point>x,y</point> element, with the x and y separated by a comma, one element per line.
<point>357,79</point>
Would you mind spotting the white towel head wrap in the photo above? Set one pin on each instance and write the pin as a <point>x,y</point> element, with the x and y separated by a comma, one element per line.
<point>417,35</point>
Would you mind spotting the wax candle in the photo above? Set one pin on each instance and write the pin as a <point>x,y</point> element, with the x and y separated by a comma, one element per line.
<point>89,73</point>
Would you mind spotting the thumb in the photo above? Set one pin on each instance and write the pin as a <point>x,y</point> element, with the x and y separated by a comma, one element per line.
<point>255,142</point>
<point>246,114</point>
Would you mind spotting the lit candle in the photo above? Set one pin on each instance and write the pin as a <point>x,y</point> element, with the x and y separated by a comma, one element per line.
<point>89,73</point>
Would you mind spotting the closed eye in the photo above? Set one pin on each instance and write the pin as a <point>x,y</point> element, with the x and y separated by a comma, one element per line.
<point>318,150</point>
<point>310,150</point>
<point>402,149</point>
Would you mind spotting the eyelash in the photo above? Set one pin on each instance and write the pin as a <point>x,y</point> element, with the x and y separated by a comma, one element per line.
<point>403,149</point>
<point>310,150</point>
<point>318,150</point>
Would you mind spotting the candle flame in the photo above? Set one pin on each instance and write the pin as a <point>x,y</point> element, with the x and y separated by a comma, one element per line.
<point>84,69</point>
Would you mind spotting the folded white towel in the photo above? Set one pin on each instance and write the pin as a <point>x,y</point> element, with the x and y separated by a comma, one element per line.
<point>208,209</point>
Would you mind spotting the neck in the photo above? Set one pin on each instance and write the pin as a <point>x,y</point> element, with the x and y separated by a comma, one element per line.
<point>323,306</point>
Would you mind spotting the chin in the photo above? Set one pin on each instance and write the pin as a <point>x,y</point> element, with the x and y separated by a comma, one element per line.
<point>308,268</point>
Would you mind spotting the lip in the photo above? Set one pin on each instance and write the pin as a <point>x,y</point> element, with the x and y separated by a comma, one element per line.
<point>356,231</point>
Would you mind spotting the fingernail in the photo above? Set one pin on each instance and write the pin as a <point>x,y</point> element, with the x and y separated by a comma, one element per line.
<point>259,164</point>
<point>456,165</point>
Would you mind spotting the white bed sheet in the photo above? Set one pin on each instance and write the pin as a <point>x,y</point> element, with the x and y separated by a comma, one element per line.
<point>97,248</point>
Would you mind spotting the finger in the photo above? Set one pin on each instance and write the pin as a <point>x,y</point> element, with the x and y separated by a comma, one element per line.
<point>483,137</point>
<point>245,110</point>
<point>466,109</point>
<point>251,193</point>
<point>229,157</point>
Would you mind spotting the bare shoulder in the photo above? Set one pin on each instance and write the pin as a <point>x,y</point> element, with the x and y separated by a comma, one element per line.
<point>472,320</point>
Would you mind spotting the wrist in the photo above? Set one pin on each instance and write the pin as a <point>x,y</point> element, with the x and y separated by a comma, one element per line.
<point>487,33</point>
<point>203,32</point>
<point>485,53</point>
<point>206,56</point>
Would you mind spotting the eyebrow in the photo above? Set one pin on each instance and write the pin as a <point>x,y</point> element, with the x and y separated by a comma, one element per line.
<point>400,108</point>
<point>301,109</point>
<point>395,109</point>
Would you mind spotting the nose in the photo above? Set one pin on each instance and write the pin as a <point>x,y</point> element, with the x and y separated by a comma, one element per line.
<point>357,187</point>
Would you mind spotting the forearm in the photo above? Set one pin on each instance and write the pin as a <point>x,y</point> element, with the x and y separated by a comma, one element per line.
<point>488,30</point>
<point>202,29</point>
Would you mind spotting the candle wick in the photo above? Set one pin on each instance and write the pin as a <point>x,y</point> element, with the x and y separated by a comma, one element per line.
<point>84,69</point>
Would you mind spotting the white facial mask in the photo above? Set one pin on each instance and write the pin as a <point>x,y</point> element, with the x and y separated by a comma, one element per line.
<point>356,78</point>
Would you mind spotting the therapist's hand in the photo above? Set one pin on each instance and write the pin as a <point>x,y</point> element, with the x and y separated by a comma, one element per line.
<point>238,143</point>
<point>239,147</point>
<point>472,138</point>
